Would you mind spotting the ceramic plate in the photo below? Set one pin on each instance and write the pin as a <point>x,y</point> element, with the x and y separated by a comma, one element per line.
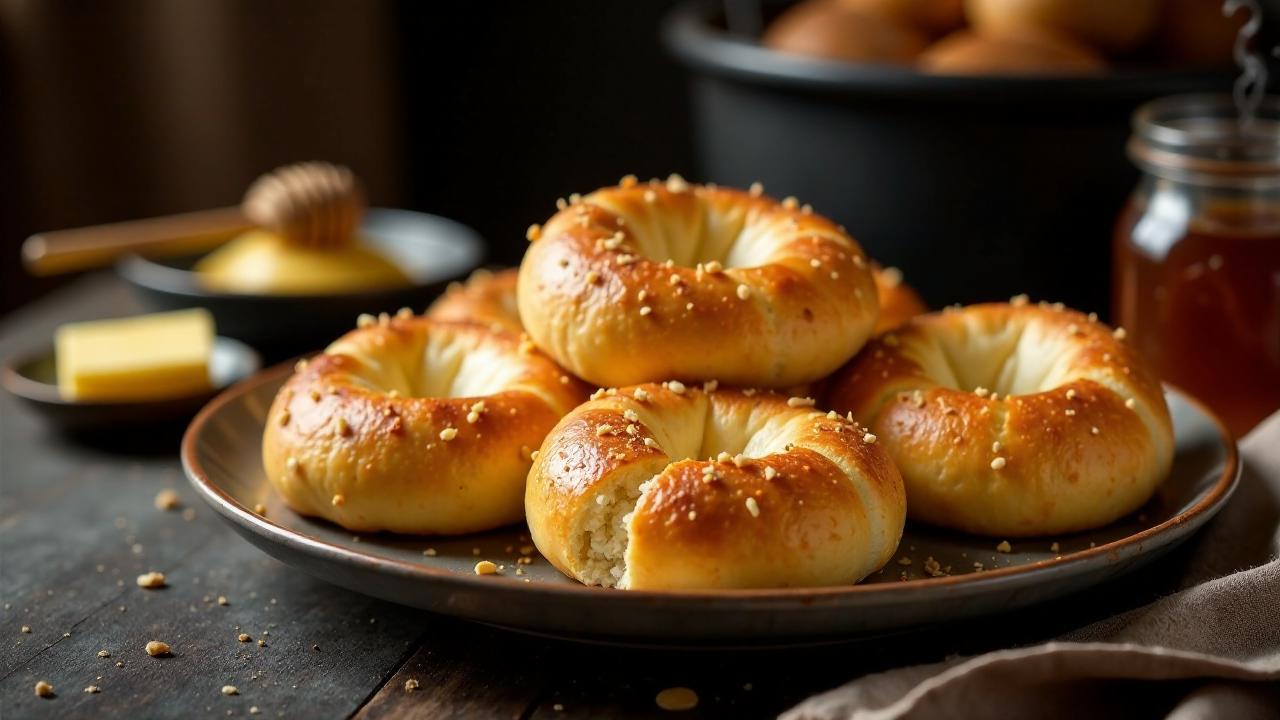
<point>221,454</point>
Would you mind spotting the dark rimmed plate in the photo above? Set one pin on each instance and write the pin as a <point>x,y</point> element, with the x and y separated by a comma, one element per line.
<point>221,454</point>
<point>34,379</point>
<point>431,250</point>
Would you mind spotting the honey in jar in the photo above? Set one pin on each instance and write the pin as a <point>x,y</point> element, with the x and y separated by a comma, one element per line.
<point>1197,253</point>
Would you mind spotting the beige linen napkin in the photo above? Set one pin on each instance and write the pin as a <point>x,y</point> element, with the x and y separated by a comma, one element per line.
<point>1210,650</point>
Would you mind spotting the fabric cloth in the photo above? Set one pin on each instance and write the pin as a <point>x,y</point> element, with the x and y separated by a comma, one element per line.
<point>1210,650</point>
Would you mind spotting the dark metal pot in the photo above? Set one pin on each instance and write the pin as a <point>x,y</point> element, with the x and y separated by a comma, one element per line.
<point>979,188</point>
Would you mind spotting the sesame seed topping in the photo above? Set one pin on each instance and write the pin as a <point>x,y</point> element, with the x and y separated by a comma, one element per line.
<point>339,500</point>
<point>646,310</point>
<point>796,402</point>
<point>790,202</point>
<point>869,438</point>
<point>364,320</point>
<point>533,233</point>
<point>815,262</point>
<point>602,430</point>
<point>981,391</point>
<point>1094,430</point>
<point>650,442</point>
<point>713,267</point>
<point>676,387</point>
<point>640,394</point>
<point>710,386</point>
<point>593,277</point>
<point>1071,394</point>
<point>650,196</point>
<point>625,259</point>
<point>1131,403</point>
<point>723,457</point>
<point>1019,300</point>
<point>1119,333</point>
<point>1069,412</point>
<point>448,434</point>
<point>753,507</point>
<point>998,463</point>
<point>770,473</point>
<point>630,415</point>
<point>995,446</point>
<point>744,292</point>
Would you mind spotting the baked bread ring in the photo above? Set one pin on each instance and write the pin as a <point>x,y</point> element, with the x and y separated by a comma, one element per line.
<point>789,496</point>
<point>488,298</point>
<point>1012,419</point>
<point>643,282</point>
<point>898,301</point>
<point>414,426</point>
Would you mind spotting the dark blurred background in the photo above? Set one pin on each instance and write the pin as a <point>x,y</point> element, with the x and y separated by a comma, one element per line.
<point>483,113</point>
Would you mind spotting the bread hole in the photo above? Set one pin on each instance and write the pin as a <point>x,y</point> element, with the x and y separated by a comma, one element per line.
<point>712,232</point>
<point>439,362</point>
<point>1016,358</point>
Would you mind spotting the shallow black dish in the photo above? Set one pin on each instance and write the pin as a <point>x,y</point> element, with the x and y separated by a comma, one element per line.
<point>431,250</point>
<point>980,188</point>
<point>34,379</point>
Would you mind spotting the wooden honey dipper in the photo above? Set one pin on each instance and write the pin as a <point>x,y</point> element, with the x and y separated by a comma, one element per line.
<point>315,205</point>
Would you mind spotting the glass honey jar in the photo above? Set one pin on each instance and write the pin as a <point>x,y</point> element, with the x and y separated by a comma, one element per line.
<point>1196,273</point>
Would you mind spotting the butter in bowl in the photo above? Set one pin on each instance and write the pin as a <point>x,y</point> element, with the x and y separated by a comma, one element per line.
<point>145,371</point>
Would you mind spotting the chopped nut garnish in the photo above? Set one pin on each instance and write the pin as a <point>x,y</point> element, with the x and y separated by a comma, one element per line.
<point>485,567</point>
<point>1019,300</point>
<point>260,509</point>
<point>1131,403</point>
<point>167,500</point>
<point>756,189</point>
<point>533,233</point>
<point>243,637</point>
<point>713,267</point>
<point>998,463</point>
<point>230,690</point>
<point>344,428</point>
<point>364,320</point>
<point>640,394</point>
<point>753,507</point>
<point>156,648</point>
<point>1119,333</point>
<point>1053,547</point>
<point>650,442</point>
<point>93,689</point>
<point>429,552</point>
<point>770,473</point>
<point>1071,394</point>
<point>995,446</point>
<point>26,629</point>
<point>981,391</point>
<point>222,600</point>
<point>593,277</point>
<point>151,580</point>
<point>796,402</point>
<point>869,438</point>
<point>676,387</point>
<point>44,689</point>
<point>904,560</point>
<point>411,684</point>
<point>1004,547</point>
<point>744,292</point>
<point>448,434</point>
<point>104,653</point>
<point>645,310</point>
<point>1094,430</point>
<point>339,500</point>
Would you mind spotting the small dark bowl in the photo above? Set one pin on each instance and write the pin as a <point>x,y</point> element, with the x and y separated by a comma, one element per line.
<point>979,188</point>
<point>33,378</point>
<point>431,250</point>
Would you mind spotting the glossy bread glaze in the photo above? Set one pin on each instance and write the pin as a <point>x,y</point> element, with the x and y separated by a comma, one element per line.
<point>415,426</point>
<point>673,487</point>
<point>487,298</point>
<point>648,281</point>
<point>1012,419</point>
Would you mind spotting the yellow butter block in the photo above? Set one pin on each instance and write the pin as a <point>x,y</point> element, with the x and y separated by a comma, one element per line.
<point>138,358</point>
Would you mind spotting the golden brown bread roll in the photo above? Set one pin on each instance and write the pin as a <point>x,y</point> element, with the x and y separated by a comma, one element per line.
<point>967,53</point>
<point>827,29</point>
<point>415,426</point>
<point>620,495</point>
<point>1113,26</point>
<point>932,16</point>
<point>642,282</point>
<point>487,298</point>
<point>1012,419</point>
<point>898,301</point>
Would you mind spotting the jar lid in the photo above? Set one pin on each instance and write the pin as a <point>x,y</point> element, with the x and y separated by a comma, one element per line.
<point>1204,139</point>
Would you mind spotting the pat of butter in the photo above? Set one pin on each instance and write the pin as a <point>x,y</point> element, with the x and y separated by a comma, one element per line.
<point>138,358</point>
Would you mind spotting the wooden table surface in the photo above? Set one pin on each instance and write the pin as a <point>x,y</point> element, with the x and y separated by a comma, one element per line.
<point>78,524</point>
